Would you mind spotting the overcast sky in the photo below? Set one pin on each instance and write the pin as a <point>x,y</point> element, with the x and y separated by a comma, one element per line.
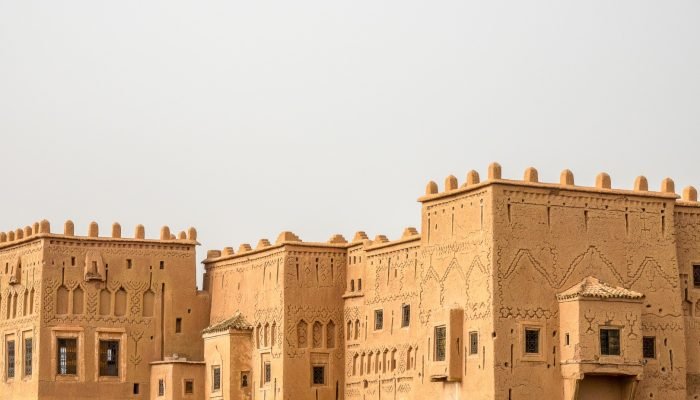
<point>246,118</point>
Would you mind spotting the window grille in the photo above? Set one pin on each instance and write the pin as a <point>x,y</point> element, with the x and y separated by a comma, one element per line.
<point>532,341</point>
<point>319,373</point>
<point>268,372</point>
<point>189,386</point>
<point>473,342</point>
<point>378,319</point>
<point>109,358</point>
<point>67,357</point>
<point>649,347</point>
<point>440,342</point>
<point>216,379</point>
<point>11,359</point>
<point>161,387</point>
<point>610,342</point>
<point>28,357</point>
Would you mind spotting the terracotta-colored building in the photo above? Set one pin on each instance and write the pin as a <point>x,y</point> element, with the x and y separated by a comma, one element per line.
<point>512,289</point>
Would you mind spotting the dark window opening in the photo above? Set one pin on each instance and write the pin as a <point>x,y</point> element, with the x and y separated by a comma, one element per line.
<point>267,374</point>
<point>359,285</point>
<point>178,325</point>
<point>567,339</point>
<point>378,319</point>
<point>532,341</point>
<point>352,285</point>
<point>319,375</point>
<point>189,386</point>
<point>67,357</point>
<point>610,342</point>
<point>128,263</point>
<point>109,358</point>
<point>405,315</point>
<point>28,357</point>
<point>473,342</point>
<point>216,379</point>
<point>72,261</point>
<point>244,379</point>
<point>161,387</point>
<point>136,388</point>
<point>440,341</point>
<point>11,359</point>
<point>696,276</point>
<point>649,346</point>
<point>162,265</point>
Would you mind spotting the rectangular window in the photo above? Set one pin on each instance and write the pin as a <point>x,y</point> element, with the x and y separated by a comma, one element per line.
<point>696,276</point>
<point>610,342</point>
<point>532,341</point>
<point>405,315</point>
<point>67,356</point>
<point>267,374</point>
<point>136,388</point>
<point>109,358</point>
<point>216,378</point>
<point>649,346</point>
<point>10,359</point>
<point>244,379</point>
<point>128,263</point>
<point>178,325</point>
<point>473,342</point>
<point>161,387</point>
<point>162,265</point>
<point>319,375</point>
<point>566,340</point>
<point>440,342</point>
<point>72,261</point>
<point>378,319</point>
<point>28,357</point>
<point>189,386</point>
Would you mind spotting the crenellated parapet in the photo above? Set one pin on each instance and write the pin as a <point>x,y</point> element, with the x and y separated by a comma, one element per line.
<point>603,184</point>
<point>43,229</point>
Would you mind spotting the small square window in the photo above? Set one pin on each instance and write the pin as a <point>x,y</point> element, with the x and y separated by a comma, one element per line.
<point>440,342</point>
<point>532,341</point>
<point>319,375</point>
<point>649,346</point>
<point>215,378</point>
<point>473,342</point>
<point>610,342</point>
<point>378,320</point>
<point>405,315</point>
<point>161,387</point>
<point>696,275</point>
<point>189,386</point>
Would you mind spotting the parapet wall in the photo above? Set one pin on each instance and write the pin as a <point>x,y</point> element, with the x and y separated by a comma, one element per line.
<point>566,181</point>
<point>43,229</point>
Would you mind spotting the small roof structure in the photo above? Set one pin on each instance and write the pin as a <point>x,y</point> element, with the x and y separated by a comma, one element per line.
<point>592,287</point>
<point>237,322</point>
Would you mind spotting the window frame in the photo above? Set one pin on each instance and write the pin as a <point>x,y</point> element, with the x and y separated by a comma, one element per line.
<point>436,344</point>
<point>186,381</point>
<point>537,333</point>
<point>267,373</point>
<point>10,358</point>
<point>111,335</point>
<point>313,375</point>
<point>378,319</point>
<point>245,374</point>
<point>405,315</point>
<point>525,326</point>
<point>653,342</point>
<point>215,383</point>
<point>473,344</point>
<point>609,329</point>
<point>112,350</point>
<point>68,332</point>
<point>28,356</point>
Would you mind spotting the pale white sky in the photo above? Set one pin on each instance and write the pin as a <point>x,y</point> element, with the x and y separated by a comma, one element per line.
<point>245,118</point>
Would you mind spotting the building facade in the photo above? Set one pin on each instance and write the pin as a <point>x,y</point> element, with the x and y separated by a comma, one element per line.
<point>511,289</point>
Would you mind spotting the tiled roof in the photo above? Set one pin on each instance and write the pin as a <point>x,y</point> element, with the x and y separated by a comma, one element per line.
<point>235,322</point>
<point>594,287</point>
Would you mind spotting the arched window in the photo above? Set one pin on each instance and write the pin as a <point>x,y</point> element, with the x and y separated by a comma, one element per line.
<point>317,334</point>
<point>357,329</point>
<point>330,334</point>
<point>302,332</point>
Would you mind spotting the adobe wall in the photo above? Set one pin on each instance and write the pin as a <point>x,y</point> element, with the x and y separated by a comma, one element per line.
<point>687,223</point>
<point>456,263</point>
<point>548,238</point>
<point>93,288</point>
<point>20,308</point>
